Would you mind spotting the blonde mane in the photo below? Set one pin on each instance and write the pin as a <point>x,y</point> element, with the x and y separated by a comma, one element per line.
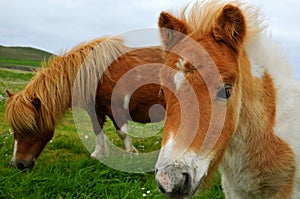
<point>202,16</point>
<point>263,52</point>
<point>53,84</point>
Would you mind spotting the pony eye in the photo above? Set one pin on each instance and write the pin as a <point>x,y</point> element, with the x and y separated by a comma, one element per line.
<point>225,92</point>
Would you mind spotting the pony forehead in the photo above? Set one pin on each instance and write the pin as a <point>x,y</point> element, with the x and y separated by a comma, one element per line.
<point>208,67</point>
<point>181,63</point>
<point>20,114</point>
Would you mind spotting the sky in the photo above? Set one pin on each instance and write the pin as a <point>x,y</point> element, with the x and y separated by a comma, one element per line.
<point>59,25</point>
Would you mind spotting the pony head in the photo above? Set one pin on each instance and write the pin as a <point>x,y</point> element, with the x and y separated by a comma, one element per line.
<point>31,132</point>
<point>202,91</point>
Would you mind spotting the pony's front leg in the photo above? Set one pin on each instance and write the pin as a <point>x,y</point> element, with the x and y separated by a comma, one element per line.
<point>126,139</point>
<point>101,147</point>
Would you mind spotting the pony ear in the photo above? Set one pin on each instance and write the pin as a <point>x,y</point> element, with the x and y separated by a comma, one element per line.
<point>230,27</point>
<point>36,102</point>
<point>172,29</point>
<point>10,94</point>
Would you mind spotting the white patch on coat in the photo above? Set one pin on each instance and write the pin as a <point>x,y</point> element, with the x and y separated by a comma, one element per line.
<point>126,101</point>
<point>178,79</point>
<point>266,55</point>
<point>100,146</point>
<point>123,134</point>
<point>258,70</point>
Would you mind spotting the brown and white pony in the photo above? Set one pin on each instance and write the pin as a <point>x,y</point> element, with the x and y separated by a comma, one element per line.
<point>34,112</point>
<point>231,103</point>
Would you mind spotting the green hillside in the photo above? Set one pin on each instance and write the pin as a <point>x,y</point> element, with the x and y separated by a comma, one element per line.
<point>25,58</point>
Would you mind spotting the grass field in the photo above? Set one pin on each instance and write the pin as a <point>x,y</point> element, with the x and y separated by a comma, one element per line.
<point>65,168</point>
<point>22,57</point>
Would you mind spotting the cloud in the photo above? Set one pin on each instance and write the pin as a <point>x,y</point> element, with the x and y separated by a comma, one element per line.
<point>56,25</point>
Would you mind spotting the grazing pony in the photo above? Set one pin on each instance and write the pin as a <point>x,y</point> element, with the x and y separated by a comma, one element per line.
<point>96,67</point>
<point>231,103</point>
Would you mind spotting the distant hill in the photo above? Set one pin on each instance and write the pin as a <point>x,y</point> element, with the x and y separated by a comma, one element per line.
<point>25,58</point>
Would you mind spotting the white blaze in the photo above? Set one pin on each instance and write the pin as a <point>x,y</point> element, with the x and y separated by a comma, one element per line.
<point>180,64</point>
<point>15,150</point>
<point>166,156</point>
<point>179,76</point>
<point>178,79</point>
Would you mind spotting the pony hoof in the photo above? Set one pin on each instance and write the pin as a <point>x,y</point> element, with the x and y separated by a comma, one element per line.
<point>97,155</point>
<point>134,150</point>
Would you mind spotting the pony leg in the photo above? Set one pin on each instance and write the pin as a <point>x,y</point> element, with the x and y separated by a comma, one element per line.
<point>101,147</point>
<point>123,134</point>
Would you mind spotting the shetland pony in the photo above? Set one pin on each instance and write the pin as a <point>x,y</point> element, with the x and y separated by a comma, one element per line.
<point>243,116</point>
<point>34,112</point>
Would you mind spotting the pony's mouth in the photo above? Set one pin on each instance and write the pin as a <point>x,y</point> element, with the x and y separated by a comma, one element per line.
<point>173,182</point>
<point>22,165</point>
<point>176,188</point>
<point>182,178</point>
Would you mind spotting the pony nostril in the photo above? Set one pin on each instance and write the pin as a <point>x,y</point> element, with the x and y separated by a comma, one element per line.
<point>183,186</point>
<point>20,166</point>
<point>173,182</point>
<point>187,182</point>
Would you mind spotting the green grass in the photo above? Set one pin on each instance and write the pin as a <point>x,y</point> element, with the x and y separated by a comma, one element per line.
<point>65,168</point>
<point>16,62</point>
<point>24,57</point>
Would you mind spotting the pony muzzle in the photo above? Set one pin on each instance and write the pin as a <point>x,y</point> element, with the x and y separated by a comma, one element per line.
<point>174,181</point>
<point>181,178</point>
<point>23,164</point>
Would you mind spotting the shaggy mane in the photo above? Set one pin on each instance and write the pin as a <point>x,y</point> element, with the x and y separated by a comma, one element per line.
<point>202,16</point>
<point>53,84</point>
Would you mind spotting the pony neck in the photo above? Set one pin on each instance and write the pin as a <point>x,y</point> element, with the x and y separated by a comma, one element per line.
<point>254,142</point>
<point>264,72</point>
<point>52,86</point>
<point>258,106</point>
<point>256,153</point>
<point>81,68</point>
